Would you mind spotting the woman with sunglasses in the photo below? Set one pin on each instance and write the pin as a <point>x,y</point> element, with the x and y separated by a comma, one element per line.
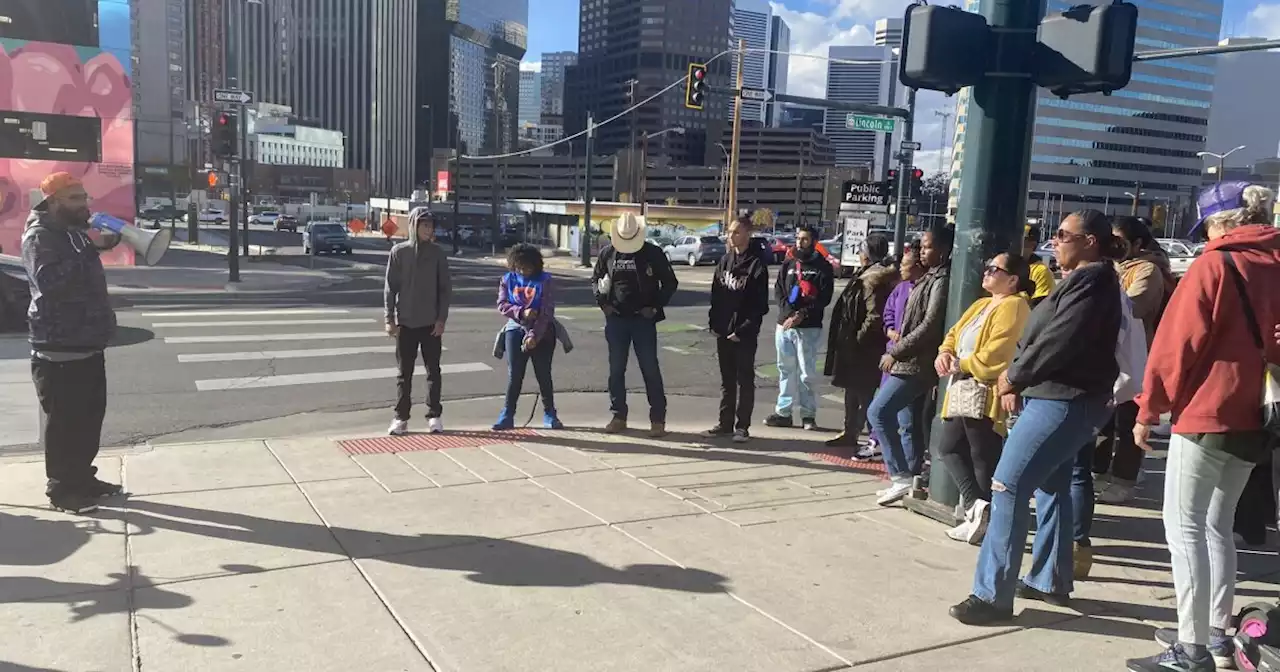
<point>1062,375</point>
<point>978,349</point>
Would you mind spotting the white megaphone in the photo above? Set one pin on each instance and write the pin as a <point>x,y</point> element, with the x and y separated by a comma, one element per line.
<point>150,246</point>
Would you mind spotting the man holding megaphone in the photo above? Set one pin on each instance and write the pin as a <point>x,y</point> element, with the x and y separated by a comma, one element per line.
<point>71,323</point>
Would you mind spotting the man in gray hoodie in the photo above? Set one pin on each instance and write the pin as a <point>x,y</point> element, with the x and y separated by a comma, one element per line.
<point>416,295</point>
<point>71,323</point>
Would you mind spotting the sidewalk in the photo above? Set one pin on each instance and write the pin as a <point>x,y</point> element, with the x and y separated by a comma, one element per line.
<point>532,550</point>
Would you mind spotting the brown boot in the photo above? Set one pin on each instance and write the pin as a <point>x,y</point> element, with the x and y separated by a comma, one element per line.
<point>657,430</point>
<point>1081,562</point>
<point>616,426</point>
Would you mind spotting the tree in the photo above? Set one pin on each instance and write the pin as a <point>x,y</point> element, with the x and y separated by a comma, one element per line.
<point>934,194</point>
<point>672,200</point>
<point>762,219</point>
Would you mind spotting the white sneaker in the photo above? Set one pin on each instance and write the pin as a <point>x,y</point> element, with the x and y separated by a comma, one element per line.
<point>1117,493</point>
<point>959,532</point>
<point>894,494</point>
<point>977,518</point>
<point>435,425</point>
<point>398,427</point>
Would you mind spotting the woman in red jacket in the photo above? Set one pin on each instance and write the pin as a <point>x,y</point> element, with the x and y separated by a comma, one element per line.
<point>1206,369</point>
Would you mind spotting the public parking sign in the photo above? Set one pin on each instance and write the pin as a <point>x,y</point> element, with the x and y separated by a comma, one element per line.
<point>864,193</point>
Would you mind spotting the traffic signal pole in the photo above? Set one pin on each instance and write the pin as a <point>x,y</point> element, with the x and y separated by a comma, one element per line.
<point>905,181</point>
<point>992,208</point>
<point>732,197</point>
<point>584,228</point>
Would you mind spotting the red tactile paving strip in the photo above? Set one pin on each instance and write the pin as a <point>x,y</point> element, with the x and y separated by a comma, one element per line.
<point>418,442</point>
<point>846,461</point>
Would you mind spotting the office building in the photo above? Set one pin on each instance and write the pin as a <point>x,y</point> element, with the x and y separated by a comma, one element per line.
<point>858,75</point>
<point>752,20</point>
<point>764,146</point>
<point>538,136</point>
<point>628,50</point>
<point>160,86</point>
<point>553,67</point>
<point>779,63</point>
<point>277,137</point>
<point>1243,88</point>
<point>795,115</point>
<point>1099,151</point>
<point>888,33</point>
<point>530,97</point>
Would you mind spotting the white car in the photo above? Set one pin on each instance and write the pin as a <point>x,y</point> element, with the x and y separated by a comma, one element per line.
<point>1180,254</point>
<point>212,217</point>
<point>267,218</point>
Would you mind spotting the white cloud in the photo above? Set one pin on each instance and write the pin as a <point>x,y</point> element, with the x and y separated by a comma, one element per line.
<point>1264,21</point>
<point>867,10</point>
<point>531,66</point>
<point>814,34</point>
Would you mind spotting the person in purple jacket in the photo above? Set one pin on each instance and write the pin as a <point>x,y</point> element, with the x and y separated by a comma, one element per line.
<point>911,271</point>
<point>526,297</point>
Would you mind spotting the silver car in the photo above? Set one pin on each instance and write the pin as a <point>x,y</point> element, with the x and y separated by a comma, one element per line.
<point>695,250</point>
<point>1180,254</point>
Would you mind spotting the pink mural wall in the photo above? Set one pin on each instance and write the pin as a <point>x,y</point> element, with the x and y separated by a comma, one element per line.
<point>75,81</point>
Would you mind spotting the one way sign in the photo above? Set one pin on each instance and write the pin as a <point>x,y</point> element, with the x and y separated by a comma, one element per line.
<point>232,96</point>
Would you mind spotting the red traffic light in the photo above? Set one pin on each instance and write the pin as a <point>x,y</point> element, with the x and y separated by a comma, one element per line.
<point>893,173</point>
<point>222,120</point>
<point>699,74</point>
<point>916,173</point>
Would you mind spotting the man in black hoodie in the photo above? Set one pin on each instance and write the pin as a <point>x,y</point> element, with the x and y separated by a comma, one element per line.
<point>806,283</point>
<point>739,302</point>
<point>71,323</point>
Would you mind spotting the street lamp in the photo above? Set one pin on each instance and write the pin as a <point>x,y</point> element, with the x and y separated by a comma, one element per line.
<point>724,173</point>
<point>1133,210</point>
<point>1221,158</point>
<point>644,160</point>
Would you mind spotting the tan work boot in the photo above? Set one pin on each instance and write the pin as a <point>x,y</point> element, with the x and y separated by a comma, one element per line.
<point>657,430</point>
<point>616,426</point>
<point>1081,562</point>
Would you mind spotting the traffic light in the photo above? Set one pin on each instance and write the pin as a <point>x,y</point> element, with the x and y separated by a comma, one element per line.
<point>943,48</point>
<point>225,135</point>
<point>891,185</point>
<point>695,88</point>
<point>1086,49</point>
<point>917,182</point>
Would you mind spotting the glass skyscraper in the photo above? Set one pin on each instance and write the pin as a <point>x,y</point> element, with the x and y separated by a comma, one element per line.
<point>1101,151</point>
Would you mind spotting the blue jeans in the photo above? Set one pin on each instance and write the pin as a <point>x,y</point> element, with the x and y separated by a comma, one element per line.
<point>518,362</point>
<point>895,417</point>
<point>623,334</point>
<point>797,369</point>
<point>1039,457</point>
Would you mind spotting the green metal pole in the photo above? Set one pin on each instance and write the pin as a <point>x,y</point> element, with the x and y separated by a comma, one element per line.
<point>993,190</point>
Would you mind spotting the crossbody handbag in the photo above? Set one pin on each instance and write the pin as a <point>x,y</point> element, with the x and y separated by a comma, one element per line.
<point>967,398</point>
<point>1270,372</point>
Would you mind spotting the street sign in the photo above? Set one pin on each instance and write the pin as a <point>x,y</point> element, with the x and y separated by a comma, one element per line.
<point>913,146</point>
<point>864,193</point>
<point>757,94</point>
<point>232,96</point>
<point>860,122</point>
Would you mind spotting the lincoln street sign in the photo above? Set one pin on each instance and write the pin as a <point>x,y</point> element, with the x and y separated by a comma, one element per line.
<point>864,193</point>
<point>232,96</point>
<point>862,122</point>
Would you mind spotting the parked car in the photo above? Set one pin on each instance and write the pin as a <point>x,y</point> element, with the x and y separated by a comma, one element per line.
<point>1180,254</point>
<point>264,218</point>
<point>832,249</point>
<point>287,223</point>
<point>696,250</point>
<point>211,216</point>
<point>15,294</point>
<point>330,237</point>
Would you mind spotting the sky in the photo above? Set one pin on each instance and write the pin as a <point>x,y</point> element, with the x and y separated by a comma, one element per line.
<point>819,24</point>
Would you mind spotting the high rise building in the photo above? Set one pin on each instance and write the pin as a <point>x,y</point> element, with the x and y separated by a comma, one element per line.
<point>1100,151</point>
<point>530,97</point>
<point>752,20</point>
<point>779,63</point>
<point>160,83</point>
<point>888,33</point>
<point>858,75</point>
<point>628,50</point>
<point>553,67</point>
<point>1242,89</point>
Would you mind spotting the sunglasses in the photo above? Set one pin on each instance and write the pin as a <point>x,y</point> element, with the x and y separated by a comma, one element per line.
<point>992,269</point>
<point>1065,236</point>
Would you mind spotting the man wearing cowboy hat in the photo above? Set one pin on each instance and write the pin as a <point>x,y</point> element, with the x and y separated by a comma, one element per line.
<point>71,323</point>
<point>633,281</point>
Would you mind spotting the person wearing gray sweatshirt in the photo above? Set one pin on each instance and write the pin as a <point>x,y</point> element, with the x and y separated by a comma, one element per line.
<point>416,296</point>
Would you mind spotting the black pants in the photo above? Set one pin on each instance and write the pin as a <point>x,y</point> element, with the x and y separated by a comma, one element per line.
<point>737,381</point>
<point>1117,451</point>
<point>73,403</point>
<point>857,398</point>
<point>408,343</point>
<point>1257,506</point>
<point>970,450</point>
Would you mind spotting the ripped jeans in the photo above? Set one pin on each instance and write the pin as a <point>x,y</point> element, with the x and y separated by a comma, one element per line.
<point>1037,461</point>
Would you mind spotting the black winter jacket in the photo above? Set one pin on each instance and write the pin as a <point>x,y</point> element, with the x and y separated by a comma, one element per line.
<point>70,310</point>
<point>857,339</point>
<point>739,294</point>
<point>632,282</point>
<point>819,278</point>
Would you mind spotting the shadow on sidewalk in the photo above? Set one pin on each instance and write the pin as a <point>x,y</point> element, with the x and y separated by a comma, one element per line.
<point>486,560</point>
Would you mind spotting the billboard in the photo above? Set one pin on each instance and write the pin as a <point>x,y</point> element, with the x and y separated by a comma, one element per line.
<point>66,104</point>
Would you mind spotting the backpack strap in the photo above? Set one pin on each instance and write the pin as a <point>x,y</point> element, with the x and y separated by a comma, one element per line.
<point>1254,329</point>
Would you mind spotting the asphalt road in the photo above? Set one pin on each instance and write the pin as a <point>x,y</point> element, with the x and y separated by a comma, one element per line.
<point>197,362</point>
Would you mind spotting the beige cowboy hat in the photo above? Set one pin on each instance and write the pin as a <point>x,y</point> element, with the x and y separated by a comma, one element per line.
<point>628,234</point>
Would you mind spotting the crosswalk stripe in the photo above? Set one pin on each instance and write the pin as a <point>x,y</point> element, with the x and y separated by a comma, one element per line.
<point>255,382</point>
<point>259,323</point>
<point>283,354</point>
<point>254,338</point>
<point>247,313</point>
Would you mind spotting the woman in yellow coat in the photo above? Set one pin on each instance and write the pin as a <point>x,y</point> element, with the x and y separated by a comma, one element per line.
<point>975,352</point>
